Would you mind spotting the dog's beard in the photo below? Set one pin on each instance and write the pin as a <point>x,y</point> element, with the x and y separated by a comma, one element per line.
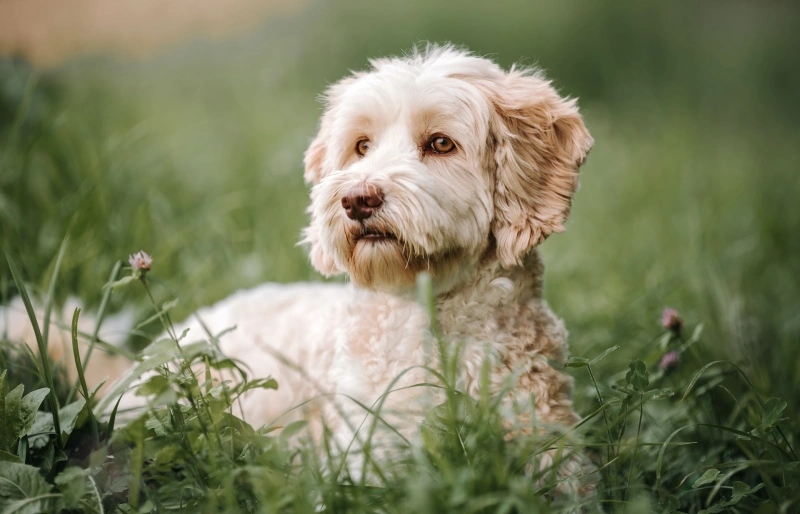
<point>377,257</point>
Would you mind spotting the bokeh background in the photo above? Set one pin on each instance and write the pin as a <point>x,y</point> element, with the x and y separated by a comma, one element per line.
<point>180,130</point>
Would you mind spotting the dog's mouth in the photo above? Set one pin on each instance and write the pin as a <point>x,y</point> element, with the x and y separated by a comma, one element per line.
<point>375,235</point>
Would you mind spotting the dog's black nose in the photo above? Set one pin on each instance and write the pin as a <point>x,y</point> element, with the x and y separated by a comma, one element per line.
<point>361,201</point>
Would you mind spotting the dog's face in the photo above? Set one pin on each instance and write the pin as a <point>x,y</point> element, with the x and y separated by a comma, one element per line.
<point>429,162</point>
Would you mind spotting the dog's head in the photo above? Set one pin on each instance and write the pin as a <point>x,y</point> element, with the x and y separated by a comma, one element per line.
<point>428,162</point>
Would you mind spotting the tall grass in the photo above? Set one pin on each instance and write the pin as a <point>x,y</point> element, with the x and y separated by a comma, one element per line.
<point>187,451</point>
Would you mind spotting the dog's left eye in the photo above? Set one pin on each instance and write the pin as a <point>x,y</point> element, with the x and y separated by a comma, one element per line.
<point>362,146</point>
<point>441,144</point>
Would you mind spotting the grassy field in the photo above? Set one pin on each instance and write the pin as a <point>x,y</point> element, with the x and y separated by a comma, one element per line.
<point>689,199</point>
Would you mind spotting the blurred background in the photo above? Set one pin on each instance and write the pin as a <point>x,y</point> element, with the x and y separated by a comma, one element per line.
<point>179,128</point>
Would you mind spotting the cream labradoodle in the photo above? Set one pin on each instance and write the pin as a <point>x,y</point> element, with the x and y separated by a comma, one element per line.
<point>437,162</point>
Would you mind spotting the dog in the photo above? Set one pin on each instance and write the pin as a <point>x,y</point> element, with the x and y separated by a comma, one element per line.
<point>437,162</point>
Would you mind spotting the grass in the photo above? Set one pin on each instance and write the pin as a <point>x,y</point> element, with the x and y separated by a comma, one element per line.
<point>687,200</point>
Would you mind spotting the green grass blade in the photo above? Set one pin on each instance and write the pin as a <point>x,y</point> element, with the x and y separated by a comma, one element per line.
<point>112,419</point>
<point>43,358</point>
<point>101,314</point>
<point>635,451</point>
<point>660,460</point>
<point>81,377</point>
<point>749,384</point>
<point>51,289</point>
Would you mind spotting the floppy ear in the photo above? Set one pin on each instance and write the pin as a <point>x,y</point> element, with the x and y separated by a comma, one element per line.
<point>321,261</point>
<point>318,163</point>
<point>315,156</point>
<point>540,141</point>
<point>317,160</point>
<point>315,164</point>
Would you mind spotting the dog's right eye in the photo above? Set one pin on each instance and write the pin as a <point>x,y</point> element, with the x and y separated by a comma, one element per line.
<point>362,146</point>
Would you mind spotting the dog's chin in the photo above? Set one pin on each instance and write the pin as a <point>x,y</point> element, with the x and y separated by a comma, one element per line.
<point>378,261</point>
<point>382,262</point>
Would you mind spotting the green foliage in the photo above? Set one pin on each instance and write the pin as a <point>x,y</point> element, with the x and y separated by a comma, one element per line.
<point>17,413</point>
<point>23,490</point>
<point>188,452</point>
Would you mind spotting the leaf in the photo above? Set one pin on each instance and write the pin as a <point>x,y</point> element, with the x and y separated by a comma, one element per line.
<point>698,330</point>
<point>171,453</point>
<point>9,457</point>
<point>292,429</point>
<point>156,425</point>
<point>772,413</point>
<point>664,340</point>
<point>78,490</point>
<point>39,433</point>
<point>35,505</point>
<point>154,385</point>
<point>740,490</point>
<point>12,414</point>
<point>260,383</point>
<point>28,409</point>
<point>69,416</point>
<point>657,394</point>
<point>91,503</point>
<point>638,377</point>
<point>18,413</point>
<point>603,355</point>
<point>710,476</point>
<point>576,362</point>
<point>217,390</point>
<point>198,349</point>
<point>72,484</point>
<point>162,346</point>
<point>124,281</point>
<point>20,486</point>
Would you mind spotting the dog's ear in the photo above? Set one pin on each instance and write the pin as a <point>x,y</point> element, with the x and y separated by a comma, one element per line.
<point>319,258</point>
<point>315,156</point>
<point>317,160</point>
<point>539,142</point>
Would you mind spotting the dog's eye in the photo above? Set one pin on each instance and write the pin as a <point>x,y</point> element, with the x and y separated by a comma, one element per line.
<point>441,144</point>
<point>362,146</point>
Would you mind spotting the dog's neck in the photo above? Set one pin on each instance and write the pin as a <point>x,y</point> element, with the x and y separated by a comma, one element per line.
<point>482,289</point>
<point>492,286</point>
